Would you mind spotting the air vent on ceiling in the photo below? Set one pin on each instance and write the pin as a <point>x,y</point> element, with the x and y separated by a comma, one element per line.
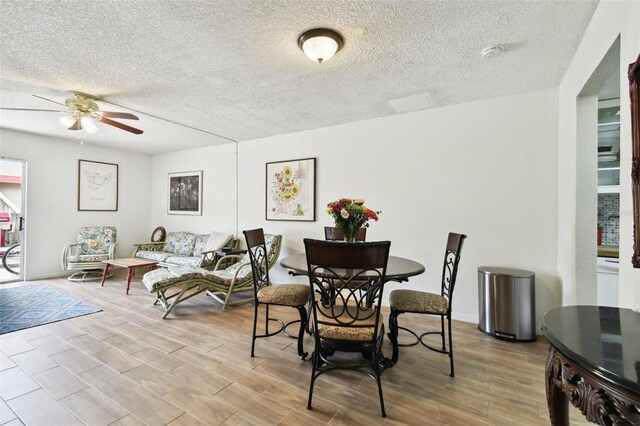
<point>412,103</point>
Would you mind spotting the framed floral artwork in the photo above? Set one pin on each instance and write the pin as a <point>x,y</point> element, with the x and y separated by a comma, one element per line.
<point>185,193</point>
<point>97,186</point>
<point>291,190</point>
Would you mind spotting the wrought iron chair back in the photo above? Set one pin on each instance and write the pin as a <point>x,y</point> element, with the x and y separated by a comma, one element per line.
<point>348,281</point>
<point>420,302</point>
<point>257,248</point>
<point>450,267</point>
<point>263,253</point>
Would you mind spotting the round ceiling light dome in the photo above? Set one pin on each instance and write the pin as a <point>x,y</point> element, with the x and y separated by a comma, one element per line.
<point>492,51</point>
<point>320,44</point>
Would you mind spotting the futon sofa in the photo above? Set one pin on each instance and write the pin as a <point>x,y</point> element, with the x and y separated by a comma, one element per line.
<point>187,249</point>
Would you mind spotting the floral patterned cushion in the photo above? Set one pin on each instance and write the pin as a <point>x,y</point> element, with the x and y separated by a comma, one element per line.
<point>200,244</point>
<point>271,242</point>
<point>225,276</point>
<point>95,239</point>
<point>187,272</point>
<point>160,256</point>
<point>180,243</point>
<point>162,278</point>
<point>88,258</point>
<point>159,279</point>
<point>183,260</point>
<point>285,294</point>
<point>418,302</point>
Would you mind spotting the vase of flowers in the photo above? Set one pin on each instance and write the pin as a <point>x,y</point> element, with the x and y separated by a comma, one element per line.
<point>350,215</point>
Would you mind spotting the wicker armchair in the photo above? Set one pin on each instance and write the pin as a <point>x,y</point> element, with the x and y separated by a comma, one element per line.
<point>85,256</point>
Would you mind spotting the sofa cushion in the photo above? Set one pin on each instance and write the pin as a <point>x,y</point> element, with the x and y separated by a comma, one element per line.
<point>183,260</point>
<point>160,256</point>
<point>200,244</point>
<point>217,240</point>
<point>180,243</point>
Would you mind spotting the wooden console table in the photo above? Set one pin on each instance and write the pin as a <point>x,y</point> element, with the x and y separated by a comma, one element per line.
<point>594,363</point>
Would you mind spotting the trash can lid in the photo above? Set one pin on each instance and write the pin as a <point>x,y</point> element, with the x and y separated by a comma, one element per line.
<point>500,270</point>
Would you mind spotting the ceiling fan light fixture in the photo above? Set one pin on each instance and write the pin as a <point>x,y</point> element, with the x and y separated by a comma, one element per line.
<point>88,124</point>
<point>320,44</point>
<point>67,120</point>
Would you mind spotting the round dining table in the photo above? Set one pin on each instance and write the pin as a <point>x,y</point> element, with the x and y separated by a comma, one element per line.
<point>398,268</point>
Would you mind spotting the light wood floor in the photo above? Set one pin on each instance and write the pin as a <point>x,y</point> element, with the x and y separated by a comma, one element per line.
<point>127,366</point>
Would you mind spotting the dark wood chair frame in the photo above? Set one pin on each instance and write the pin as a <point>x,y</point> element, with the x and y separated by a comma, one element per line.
<point>257,248</point>
<point>333,233</point>
<point>449,274</point>
<point>347,275</point>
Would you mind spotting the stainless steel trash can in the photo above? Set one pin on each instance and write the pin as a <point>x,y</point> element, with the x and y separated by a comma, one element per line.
<point>507,303</point>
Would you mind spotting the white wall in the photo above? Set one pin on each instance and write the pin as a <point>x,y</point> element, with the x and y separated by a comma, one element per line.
<point>487,169</point>
<point>218,165</point>
<point>586,198</point>
<point>609,20</point>
<point>53,219</point>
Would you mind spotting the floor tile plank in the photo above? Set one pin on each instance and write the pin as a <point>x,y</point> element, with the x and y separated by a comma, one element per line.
<point>125,366</point>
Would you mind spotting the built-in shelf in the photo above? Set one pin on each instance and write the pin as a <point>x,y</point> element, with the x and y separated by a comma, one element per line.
<point>608,146</point>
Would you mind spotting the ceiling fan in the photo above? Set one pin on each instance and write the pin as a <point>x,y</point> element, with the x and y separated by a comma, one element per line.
<point>82,111</point>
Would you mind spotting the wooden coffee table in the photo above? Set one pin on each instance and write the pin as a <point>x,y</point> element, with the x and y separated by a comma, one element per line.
<point>130,263</point>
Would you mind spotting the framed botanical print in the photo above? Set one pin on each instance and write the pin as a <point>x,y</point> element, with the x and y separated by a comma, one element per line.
<point>185,193</point>
<point>291,190</point>
<point>97,186</point>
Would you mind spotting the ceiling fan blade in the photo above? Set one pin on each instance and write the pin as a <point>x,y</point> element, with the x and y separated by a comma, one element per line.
<point>76,126</point>
<point>105,120</point>
<point>123,115</point>
<point>33,109</point>
<point>40,97</point>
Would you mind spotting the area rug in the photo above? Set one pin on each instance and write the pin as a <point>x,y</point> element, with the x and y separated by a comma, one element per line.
<point>36,304</point>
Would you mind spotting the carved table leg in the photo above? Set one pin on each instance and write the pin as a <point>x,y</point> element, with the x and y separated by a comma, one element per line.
<point>556,398</point>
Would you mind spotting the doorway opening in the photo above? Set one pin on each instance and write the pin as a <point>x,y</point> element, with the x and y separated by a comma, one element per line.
<point>598,183</point>
<point>12,214</point>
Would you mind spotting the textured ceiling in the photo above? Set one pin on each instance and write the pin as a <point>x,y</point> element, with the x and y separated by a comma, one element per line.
<point>233,67</point>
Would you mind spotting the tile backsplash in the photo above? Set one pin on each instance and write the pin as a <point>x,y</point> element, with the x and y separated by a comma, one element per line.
<point>609,217</point>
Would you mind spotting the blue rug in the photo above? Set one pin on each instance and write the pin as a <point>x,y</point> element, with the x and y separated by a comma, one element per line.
<point>32,305</point>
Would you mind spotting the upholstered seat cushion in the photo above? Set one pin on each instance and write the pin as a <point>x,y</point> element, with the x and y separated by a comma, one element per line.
<point>162,278</point>
<point>87,258</point>
<point>160,256</point>
<point>285,294</point>
<point>418,302</point>
<point>225,276</point>
<point>183,260</point>
<point>363,332</point>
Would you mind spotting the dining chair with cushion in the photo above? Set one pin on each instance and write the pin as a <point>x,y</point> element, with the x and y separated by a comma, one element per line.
<point>333,233</point>
<point>347,280</point>
<point>420,302</point>
<point>266,293</point>
<point>93,245</point>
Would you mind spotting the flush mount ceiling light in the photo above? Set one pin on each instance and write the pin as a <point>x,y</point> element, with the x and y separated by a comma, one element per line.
<point>492,51</point>
<point>320,44</point>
